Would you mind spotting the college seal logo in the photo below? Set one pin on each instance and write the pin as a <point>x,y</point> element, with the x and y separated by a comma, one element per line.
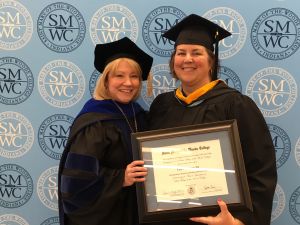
<point>16,186</point>
<point>93,81</point>
<point>275,34</point>
<point>16,81</point>
<point>282,144</point>
<point>61,27</point>
<point>53,134</point>
<point>274,90</point>
<point>162,81</point>
<point>294,205</point>
<point>230,78</point>
<point>47,188</point>
<point>7,219</point>
<point>113,22</point>
<point>232,21</point>
<point>278,203</point>
<point>61,83</point>
<point>16,26</point>
<point>51,221</point>
<point>16,135</point>
<point>156,23</point>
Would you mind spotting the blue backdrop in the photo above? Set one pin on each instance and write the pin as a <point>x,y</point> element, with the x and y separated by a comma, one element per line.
<point>47,73</point>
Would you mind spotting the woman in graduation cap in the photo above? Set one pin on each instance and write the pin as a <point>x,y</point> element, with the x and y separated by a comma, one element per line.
<point>96,171</point>
<point>203,98</point>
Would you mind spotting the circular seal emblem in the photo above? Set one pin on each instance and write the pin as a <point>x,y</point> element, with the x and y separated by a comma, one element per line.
<point>274,90</point>
<point>156,23</point>
<point>278,203</point>
<point>282,144</point>
<point>230,78</point>
<point>232,21</point>
<point>61,83</point>
<point>191,190</point>
<point>297,152</point>
<point>16,81</point>
<point>93,81</point>
<point>16,25</point>
<point>294,205</point>
<point>51,221</point>
<point>16,135</point>
<point>275,34</point>
<point>162,81</point>
<point>47,188</point>
<point>113,22</point>
<point>61,27</point>
<point>16,186</point>
<point>12,219</point>
<point>53,134</point>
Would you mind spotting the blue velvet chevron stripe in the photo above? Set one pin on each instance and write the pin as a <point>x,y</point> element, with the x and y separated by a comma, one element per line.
<point>79,188</point>
<point>86,163</point>
<point>82,191</point>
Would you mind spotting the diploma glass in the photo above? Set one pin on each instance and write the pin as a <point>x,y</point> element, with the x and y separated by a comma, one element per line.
<point>189,168</point>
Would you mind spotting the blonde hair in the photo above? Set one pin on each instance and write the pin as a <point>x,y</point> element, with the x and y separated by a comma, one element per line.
<point>101,89</point>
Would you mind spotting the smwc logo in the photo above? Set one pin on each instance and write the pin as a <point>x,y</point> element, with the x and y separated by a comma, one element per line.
<point>275,34</point>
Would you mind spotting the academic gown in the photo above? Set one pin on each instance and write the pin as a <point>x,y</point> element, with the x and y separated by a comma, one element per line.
<point>224,103</point>
<point>91,170</point>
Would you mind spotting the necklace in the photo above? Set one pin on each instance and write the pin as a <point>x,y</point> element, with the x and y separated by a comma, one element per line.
<point>126,119</point>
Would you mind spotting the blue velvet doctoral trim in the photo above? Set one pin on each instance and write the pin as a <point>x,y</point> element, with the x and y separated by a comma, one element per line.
<point>82,191</point>
<point>72,185</point>
<point>109,107</point>
<point>82,162</point>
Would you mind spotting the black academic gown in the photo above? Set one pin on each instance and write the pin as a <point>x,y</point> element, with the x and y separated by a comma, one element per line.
<point>91,170</point>
<point>224,103</point>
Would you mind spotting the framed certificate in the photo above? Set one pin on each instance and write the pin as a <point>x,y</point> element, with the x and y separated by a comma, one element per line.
<point>189,168</point>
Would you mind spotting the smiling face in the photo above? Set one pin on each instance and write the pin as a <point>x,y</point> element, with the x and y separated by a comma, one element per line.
<point>123,83</point>
<point>192,66</point>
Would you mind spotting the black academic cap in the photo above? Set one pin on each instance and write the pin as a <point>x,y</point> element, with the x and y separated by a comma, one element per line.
<point>195,29</point>
<point>123,48</point>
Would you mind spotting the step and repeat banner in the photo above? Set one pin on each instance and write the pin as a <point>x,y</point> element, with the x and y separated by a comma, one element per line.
<point>47,73</point>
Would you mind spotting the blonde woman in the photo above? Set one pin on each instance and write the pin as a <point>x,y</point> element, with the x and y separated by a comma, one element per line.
<point>96,173</point>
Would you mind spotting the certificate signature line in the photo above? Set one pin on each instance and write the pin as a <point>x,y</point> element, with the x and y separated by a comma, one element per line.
<point>190,168</point>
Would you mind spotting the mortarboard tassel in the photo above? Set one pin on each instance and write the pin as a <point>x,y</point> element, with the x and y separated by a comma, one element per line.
<point>215,72</point>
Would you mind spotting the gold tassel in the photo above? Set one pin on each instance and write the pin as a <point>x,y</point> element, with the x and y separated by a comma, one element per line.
<point>149,85</point>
